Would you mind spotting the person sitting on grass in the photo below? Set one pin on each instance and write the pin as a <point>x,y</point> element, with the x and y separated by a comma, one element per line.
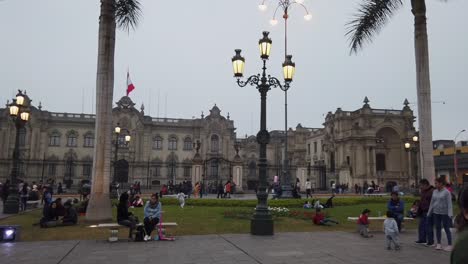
<point>124,217</point>
<point>50,217</point>
<point>70,217</point>
<point>152,212</point>
<point>363,224</point>
<point>137,202</point>
<point>320,219</point>
<point>307,205</point>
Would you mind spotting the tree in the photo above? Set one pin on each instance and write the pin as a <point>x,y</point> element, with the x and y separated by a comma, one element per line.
<point>371,17</point>
<point>125,15</point>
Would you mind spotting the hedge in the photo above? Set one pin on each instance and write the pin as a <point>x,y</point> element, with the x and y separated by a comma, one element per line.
<point>288,203</point>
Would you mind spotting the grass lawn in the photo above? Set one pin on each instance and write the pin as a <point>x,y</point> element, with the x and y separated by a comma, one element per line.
<point>196,220</point>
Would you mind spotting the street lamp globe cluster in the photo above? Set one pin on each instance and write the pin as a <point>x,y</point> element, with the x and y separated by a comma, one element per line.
<point>412,147</point>
<point>262,222</point>
<point>127,138</point>
<point>20,114</point>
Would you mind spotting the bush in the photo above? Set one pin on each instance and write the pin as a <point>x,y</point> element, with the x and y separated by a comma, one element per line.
<point>288,203</point>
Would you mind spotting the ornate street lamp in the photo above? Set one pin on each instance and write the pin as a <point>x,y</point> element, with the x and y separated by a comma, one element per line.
<point>285,6</point>
<point>20,114</point>
<point>117,143</point>
<point>262,222</point>
<point>412,148</point>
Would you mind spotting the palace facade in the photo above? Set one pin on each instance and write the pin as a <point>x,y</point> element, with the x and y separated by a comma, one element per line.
<point>352,147</point>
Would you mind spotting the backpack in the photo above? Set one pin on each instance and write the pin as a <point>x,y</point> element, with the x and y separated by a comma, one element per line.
<point>140,233</point>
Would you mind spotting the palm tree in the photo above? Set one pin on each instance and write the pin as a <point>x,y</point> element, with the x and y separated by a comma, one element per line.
<point>372,16</point>
<point>125,15</point>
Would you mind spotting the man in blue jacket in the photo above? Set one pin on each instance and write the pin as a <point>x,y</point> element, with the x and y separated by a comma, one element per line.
<point>397,207</point>
<point>152,213</point>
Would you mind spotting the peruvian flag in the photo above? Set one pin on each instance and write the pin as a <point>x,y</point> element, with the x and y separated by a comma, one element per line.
<point>130,86</point>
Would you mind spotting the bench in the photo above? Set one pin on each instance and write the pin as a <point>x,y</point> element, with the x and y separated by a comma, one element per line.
<point>375,194</point>
<point>382,218</point>
<point>114,228</point>
<point>32,204</point>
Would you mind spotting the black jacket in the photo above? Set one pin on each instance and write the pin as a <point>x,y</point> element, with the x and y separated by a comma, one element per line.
<point>122,212</point>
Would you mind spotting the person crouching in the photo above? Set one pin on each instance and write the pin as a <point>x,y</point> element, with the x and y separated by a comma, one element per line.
<point>152,213</point>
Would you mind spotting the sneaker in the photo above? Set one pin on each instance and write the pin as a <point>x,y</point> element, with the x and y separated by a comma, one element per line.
<point>420,242</point>
<point>146,238</point>
<point>438,247</point>
<point>429,244</point>
<point>448,248</point>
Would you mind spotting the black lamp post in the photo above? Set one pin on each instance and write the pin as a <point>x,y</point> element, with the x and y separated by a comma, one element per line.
<point>20,113</point>
<point>262,222</point>
<point>117,143</point>
<point>412,148</point>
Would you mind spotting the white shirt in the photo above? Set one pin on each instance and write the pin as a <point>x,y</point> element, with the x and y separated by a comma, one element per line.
<point>308,185</point>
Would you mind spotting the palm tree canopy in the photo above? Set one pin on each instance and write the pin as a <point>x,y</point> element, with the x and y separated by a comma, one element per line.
<point>370,18</point>
<point>127,14</point>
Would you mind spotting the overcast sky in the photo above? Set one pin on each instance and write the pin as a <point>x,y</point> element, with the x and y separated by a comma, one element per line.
<point>182,51</point>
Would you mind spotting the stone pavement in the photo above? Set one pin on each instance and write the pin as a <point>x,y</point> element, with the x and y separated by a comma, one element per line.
<point>315,247</point>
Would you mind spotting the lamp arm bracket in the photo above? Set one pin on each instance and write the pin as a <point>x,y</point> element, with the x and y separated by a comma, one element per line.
<point>252,80</point>
<point>274,82</point>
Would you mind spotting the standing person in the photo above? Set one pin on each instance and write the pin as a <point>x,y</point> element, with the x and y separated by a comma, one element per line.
<point>24,194</point>
<point>333,188</point>
<point>196,190</point>
<point>47,199</point>
<point>308,186</point>
<point>425,226</point>
<point>220,191</point>
<point>441,211</point>
<point>227,187</point>
<point>124,217</point>
<point>391,232</point>
<point>59,188</point>
<point>5,190</point>
<point>202,188</point>
<point>152,214</point>
<point>363,223</point>
<point>397,207</point>
<point>459,253</point>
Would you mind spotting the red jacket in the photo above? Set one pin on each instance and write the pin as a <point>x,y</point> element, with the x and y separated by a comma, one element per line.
<point>363,220</point>
<point>318,217</point>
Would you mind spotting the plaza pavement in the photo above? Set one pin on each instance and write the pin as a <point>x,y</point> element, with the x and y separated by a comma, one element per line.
<point>315,247</point>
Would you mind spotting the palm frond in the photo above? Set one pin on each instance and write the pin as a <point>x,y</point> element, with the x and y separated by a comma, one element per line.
<point>370,18</point>
<point>127,14</point>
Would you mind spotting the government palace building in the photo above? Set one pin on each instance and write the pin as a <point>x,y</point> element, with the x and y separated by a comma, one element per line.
<point>351,147</point>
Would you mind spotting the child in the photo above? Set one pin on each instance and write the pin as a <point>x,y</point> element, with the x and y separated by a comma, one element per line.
<point>413,212</point>
<point>181,198</point>
<point>363,224</point>
<point>320,219</point>
<point>391,231</point>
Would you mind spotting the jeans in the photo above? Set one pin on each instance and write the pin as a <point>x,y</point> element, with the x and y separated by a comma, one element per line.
<point>444,220</point>
<point>131,223</point>
<point>327,222</point>
<point>150,224</point>
<point>392,237</point>
<point>398,218</point>
<point>423,231</point>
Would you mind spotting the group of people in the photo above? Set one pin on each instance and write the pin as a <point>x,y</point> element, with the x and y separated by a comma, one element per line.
<point>225,190</point>
<point>152,215</point>
<point>26,192</point>
<point>55,213</point>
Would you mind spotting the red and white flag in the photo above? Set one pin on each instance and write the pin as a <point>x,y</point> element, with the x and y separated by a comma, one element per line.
<point>130,86</point>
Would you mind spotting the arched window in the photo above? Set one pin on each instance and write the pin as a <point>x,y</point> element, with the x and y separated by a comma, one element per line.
<point>72,137</point>
<point>214,143</point>
<point>172,143</point>
<point>54,138</point>
<point>188,145</point>
<point>157,143</point>
<point>88,140</point>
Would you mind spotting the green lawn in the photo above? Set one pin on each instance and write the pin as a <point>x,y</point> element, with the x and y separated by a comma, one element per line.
<point>197,220</point>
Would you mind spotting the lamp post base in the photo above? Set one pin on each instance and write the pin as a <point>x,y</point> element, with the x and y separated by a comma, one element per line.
<point>261,226</point>
<point>11,205</point>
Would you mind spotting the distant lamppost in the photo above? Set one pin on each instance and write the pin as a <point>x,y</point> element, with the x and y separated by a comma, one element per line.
<point>118,141</point>
<point>19,113</point>
<point>455,161</point>
<point>412,148</point>
<point>262,222</point>
<point>285,6</point>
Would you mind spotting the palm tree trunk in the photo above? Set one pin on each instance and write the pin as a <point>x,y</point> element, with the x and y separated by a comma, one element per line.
<point>99,207</point>
<point>423,87</point>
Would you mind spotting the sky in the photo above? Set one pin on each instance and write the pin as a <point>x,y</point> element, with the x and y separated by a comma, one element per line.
<point>179,58</point>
